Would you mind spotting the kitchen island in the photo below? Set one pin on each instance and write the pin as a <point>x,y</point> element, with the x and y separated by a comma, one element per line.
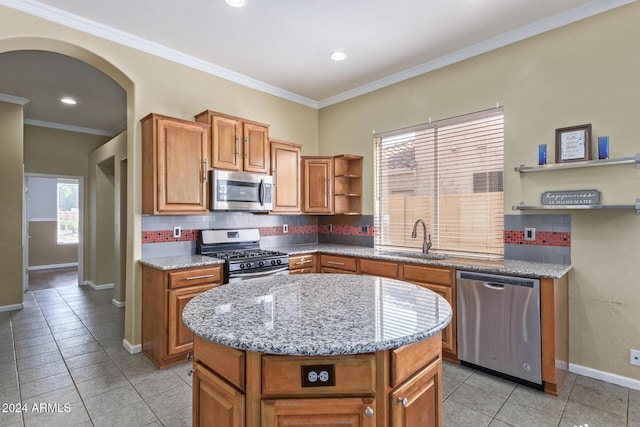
<point>325,349</point>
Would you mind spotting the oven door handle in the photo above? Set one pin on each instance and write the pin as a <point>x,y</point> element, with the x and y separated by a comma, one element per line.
<point>261,273</point>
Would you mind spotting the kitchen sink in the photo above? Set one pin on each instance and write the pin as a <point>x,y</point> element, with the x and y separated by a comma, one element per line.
<point>418,255</point>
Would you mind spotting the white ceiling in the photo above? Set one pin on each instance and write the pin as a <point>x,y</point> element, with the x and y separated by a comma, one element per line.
<point>283,46</point>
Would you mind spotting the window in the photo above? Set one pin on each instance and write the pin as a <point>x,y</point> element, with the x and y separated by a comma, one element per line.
<point>67,208</point>
<point>449,174</point>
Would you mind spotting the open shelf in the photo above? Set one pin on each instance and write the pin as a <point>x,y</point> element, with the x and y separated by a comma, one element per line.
<point>577,207</point>
<point>584,164</point>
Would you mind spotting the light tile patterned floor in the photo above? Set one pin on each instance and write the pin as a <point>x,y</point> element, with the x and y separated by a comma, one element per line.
<point>62,361</point>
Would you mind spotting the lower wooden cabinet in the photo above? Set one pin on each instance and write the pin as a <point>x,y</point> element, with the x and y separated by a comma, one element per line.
<point>371,267</point>
<point>325,412</point>
<point>300,264</point>
<point>338,264</point>
<point>215,403</point>
<point>165,338</point>
<point>415,403</point>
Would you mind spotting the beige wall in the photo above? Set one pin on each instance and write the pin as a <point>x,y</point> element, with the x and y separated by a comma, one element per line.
<point>156,85</point>
<point>11,181</point>
<point>44,248</point>
<point>588,72</point>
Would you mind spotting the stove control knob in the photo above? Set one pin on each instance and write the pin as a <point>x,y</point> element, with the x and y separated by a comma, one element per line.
<point>273,262</point>
<point>279,261</point>
<point>261,263</point>
<point>248,265</point>
<point>241,266</point>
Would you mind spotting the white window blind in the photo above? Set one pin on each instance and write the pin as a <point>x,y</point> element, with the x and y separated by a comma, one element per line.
<point>449,174</point>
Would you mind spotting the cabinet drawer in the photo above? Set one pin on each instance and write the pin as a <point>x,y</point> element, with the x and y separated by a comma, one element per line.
<point>407,360</point>
<point>379,268</point>
<point>301,261</point>
<point>301,271</point>
<point>338,262</point>
<point>282,375</point>
<point>195,276</point>
<point>418,273</point>
<point>227,362</point>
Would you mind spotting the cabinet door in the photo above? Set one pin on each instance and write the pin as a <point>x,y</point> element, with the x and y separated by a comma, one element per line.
<point>318,185</point>
<point>346,412</point>
<point>256,148</point>
<point>225,143</point>
<point>215,403</point>
<point>448,333</point>
<point>285,168</point>
<point>180,338</point>
<point>304,263</point>
<point>181,162</point>
<point>416,403</point>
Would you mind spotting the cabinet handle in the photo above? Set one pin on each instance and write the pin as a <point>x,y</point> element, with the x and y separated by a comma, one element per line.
<point>246,146</point>
<point>189,356</point>
<point>275,170</point>
<point>206,170</point>
<point>368,412</point>
<point>404,401</point>
<point>303,262</point>
<point>205,276</point>
<point>190,371</point>
<point>238,145</point>
<point>335,262</point>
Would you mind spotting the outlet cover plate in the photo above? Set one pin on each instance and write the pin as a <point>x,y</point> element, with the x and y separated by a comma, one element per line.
<point>285,228</point>
<point>530,234</point>
<point>634,357</point>
<point>177,231</point>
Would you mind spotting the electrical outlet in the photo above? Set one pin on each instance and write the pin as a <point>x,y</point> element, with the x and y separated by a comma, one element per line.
<point>330,228</point>
<point>634,357</point>
<point>364,229</point>
<point>285,228</point>
<point>530,234</point>
<point>177,231</point>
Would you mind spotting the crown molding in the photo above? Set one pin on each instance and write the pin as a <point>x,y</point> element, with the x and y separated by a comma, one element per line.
<point>91,27</point>
<point>108,33</point>
<point>13,99</point>
<point>69,128</point>
<point>582,12</point>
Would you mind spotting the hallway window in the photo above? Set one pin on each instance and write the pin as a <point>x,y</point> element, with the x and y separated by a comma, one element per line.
<point>67,211</point>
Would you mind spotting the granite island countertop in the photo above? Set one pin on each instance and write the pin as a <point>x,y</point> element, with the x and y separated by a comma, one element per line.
<point>317,314</point>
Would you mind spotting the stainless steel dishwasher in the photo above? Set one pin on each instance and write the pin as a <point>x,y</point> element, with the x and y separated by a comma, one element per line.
<point>499,325</point>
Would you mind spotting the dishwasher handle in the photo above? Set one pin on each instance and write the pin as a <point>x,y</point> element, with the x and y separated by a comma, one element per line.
<point>494,286</point>
<point>497,279</point>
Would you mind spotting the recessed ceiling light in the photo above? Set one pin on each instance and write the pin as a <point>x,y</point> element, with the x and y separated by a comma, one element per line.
<point>68,101</point>
<point>338,56</point>
<point>236,3</point>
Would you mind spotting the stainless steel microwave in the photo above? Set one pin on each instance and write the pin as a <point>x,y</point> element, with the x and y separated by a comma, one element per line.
<point>240,191</point>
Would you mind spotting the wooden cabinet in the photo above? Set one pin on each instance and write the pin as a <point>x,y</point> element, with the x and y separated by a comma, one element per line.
<point>332,185</point>
<point>337,412</point>
<point>237,144</point>
<point>165,338</point>
<point>442,281</point>
<point>347,175</point>
<point>299,264</point>
<point>372,267</point>
<point>415,403</point>
<point>174,166</point>
<point>317,185</point>
<point>215,403</point>
<point>285,168</point>
<point>338,264</point>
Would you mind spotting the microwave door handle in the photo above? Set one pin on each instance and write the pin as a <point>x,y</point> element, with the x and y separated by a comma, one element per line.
<point>261,192</point>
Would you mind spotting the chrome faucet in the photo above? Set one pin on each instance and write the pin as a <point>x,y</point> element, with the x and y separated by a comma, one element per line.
<point>426,241</point>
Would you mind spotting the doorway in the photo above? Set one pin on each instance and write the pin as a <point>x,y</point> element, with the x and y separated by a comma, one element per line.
<point>53,224</point>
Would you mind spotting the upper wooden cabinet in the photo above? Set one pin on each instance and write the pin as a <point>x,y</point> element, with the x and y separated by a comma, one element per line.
<point>174,166</point>
<point>237,144</point>
<point>332,185</point>
<point>285,168</point>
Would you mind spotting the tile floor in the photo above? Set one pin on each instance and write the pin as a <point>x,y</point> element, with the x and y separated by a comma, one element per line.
<point>63,362</point>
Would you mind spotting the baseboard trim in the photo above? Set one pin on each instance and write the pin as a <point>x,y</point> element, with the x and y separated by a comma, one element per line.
<point>605,376</point>
<point>118,304</point>
<point>11,307</point>
<point>132,349</point>
<point>98,287</point>
<point>52,266</point>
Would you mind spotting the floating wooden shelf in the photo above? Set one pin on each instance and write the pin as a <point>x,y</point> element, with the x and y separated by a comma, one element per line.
<point>523,207</point>
<point>585,164</point>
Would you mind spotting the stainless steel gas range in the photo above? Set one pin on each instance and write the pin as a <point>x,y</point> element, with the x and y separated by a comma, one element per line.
<point>241,250</point>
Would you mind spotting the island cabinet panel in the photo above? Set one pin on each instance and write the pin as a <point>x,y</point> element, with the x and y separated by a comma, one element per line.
<point>439,280</point>
<point>416,402</point>
<point>299,264</point>
<point>338,264</point>
<point>407,360</point>
<point>327,412</point>
<point>227,362</point>
<point>282,375</point>
<point>215,403</point>
<point>165,338</point>
<point>370,267</point>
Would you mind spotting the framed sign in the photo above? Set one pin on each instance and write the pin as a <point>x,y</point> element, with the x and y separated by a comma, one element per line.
<point>573,143</point>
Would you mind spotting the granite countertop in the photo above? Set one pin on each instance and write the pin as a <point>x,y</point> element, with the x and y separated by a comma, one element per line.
<point>317,314</point>
<point>501,266</point>
<point>182,261</point>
